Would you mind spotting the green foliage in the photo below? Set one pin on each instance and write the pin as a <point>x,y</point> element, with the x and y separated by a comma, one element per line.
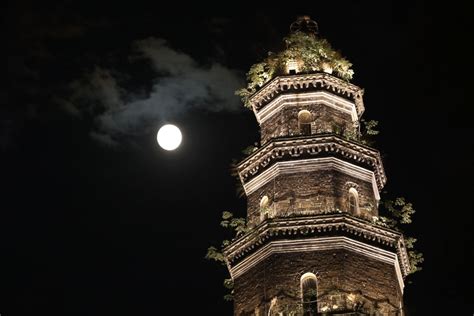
<point>229,297</point>
<point>369,127</point>
<point>364,135</point>
<point>387,222</point>
<point>416,258</point>
<point>239,224</point>
<point>410,242</point>
<point>226,215</point>
<point>368,131</point>
<point>400,209</point>
<point>351,134</point>
<point>238,227</point>
<point>401,212</point>
<point>316,55</point>
<point>229,284</point>
<point>214,254</point>
<point>249,149</point>
<point>312,54</point>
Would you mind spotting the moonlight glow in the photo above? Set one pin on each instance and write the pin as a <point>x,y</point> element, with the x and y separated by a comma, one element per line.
<point>169,137</point>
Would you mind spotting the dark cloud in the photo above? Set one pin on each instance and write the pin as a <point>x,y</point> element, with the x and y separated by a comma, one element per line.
<point>96,91</point>
<point>103,138</point>
<point>41,47</point>
<point>181,83</point>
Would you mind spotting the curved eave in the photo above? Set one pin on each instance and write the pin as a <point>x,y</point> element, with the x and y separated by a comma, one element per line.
<point>318,226</point>
<point>318,81</point>
<point>313,147</point>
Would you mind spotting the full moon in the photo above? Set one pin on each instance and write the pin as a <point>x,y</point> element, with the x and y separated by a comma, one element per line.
<point>169,137</point>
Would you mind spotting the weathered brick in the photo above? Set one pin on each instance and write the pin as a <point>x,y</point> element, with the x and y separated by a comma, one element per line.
<point>311,193</point>
<point>340,271</point>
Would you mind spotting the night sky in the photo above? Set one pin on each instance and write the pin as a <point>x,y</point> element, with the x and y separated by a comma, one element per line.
<point>96,219</point>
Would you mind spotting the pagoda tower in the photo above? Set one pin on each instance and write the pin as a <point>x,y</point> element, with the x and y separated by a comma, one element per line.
<point>313,246</point>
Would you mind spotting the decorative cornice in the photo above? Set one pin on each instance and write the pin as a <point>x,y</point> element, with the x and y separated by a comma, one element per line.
<point>316,226</point>
<point>310,165</point>
<point>283,84</point>
<point>318,244</point>
<point>307,98</point>
<point>315,147</point>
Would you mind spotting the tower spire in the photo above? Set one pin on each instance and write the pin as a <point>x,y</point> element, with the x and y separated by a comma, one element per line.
<point>304,24</point>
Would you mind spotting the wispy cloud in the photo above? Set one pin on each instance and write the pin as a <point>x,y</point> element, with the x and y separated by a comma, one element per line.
<point>181,84</point>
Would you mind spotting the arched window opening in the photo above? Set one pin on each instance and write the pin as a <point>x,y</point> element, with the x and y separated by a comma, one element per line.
<point>304,121</point>
<point>353,201</point>
<point>309,292</point>
<point>264,201</point>
<point>264,207</point>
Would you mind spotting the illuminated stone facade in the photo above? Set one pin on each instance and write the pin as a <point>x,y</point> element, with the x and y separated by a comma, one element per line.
<point>313,193</point>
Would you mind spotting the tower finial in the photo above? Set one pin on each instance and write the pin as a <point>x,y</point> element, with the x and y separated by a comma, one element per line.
<point>304,24</point>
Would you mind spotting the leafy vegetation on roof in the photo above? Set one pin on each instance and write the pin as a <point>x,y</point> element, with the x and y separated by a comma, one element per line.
<point>311,53</point>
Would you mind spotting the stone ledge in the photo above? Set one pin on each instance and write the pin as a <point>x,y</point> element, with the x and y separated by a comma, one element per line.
<point>336,225</point>
<point>295,148</point>
<point>322,81</point>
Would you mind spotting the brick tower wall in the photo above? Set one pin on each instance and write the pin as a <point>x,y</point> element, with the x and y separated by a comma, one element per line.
<point>325,120</point>
<point>337,271</point>
<point>312,193</point>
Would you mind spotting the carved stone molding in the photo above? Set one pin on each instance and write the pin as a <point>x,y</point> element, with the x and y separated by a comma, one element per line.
<point>322,81</point>
<point>313,147</point>
<point>313,228</point>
